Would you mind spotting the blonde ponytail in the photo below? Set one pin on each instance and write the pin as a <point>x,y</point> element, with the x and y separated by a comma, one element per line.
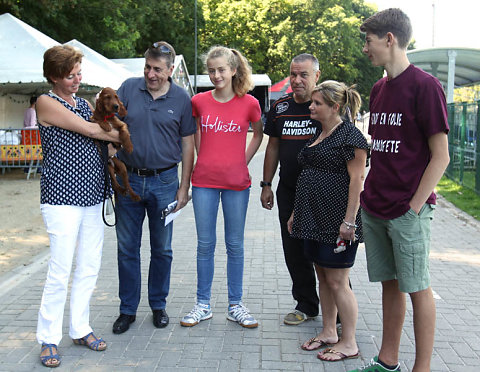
<point>337,93</point>
<point>242,81</point>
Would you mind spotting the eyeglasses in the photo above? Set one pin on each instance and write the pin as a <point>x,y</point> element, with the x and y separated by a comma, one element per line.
<point>163,48</point>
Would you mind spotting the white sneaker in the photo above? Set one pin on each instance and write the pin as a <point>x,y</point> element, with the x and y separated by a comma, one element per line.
<point>240,314</point>
<point>199,312</point>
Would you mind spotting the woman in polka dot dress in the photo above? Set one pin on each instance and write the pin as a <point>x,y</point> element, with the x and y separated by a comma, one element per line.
<point>326,209</point>
<point>72,191</point>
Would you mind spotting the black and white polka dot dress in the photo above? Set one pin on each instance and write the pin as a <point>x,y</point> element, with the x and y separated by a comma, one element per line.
<point>321,196</point>
<point>72,172</point>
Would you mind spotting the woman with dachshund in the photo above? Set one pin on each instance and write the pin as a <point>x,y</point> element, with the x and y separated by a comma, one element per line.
<point>223,117</point>
<point>72,192</point>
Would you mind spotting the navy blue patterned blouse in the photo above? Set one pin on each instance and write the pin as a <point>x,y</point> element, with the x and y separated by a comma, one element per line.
<point>72,171</point>
<point>321,196</point>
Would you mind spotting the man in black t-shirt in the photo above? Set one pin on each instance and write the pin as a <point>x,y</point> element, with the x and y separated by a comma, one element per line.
<point>289,126</point>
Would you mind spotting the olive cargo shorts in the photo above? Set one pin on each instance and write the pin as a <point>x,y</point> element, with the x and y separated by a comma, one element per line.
<point>399,248</point>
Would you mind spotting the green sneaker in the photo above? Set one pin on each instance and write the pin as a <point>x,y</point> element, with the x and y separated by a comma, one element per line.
<point>374,366</point>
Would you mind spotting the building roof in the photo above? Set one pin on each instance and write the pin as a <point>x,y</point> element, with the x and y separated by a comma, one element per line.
<point>435,62</point>
<point>454,67</point>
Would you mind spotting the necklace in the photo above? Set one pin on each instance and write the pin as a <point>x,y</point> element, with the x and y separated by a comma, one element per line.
<point>328,133</point>
<point>74,105</point>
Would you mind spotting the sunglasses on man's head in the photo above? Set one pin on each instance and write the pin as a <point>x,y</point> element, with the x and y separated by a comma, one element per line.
<point>163,48</point>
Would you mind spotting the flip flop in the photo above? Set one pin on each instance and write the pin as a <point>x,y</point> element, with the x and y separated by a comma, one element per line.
<point>335,352</point>
<point>313,340</point>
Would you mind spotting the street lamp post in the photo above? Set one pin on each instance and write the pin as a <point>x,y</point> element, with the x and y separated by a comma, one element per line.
<point>195,62</point>
<point>433,24</point>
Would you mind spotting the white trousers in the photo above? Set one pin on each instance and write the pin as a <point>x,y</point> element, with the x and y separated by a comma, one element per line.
<point>70,227</point>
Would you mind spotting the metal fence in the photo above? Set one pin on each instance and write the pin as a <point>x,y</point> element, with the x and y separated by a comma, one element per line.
<point>464,144</point>
<point>20,148</point>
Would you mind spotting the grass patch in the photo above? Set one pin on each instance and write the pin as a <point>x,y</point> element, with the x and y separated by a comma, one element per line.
<point>460,196</point>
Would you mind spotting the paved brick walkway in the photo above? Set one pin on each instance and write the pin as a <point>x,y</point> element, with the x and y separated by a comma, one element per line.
<point>220,345</point>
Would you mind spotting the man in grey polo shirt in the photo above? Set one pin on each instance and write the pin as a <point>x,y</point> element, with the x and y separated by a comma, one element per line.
<point>162,127</point>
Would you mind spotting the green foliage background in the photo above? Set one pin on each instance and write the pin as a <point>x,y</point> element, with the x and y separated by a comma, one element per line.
<point>268,32</point>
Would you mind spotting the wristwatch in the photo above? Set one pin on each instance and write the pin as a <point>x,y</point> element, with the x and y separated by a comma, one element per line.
<point>263,184</point>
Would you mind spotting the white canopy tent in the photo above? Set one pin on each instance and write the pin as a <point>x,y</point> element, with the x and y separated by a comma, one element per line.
<point>21,56</point>
<point>21,61</point>
<point>98,70</point>
<point>21,69</point>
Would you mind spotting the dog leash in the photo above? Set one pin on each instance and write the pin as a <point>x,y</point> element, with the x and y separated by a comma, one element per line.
<point>107,185</point>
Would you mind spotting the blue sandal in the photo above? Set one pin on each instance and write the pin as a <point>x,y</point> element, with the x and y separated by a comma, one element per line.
<point>52,360</point>
<point>92,345</point>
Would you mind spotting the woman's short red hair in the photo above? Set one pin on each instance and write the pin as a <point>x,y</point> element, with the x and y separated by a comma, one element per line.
<point>59,60</point>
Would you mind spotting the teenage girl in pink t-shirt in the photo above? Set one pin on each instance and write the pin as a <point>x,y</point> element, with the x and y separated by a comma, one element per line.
<point>223,117</point>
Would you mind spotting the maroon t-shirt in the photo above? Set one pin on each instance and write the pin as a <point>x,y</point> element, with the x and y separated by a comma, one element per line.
<point>404,113</point>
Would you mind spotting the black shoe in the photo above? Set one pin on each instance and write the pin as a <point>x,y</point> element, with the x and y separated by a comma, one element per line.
<point>160,318</point>
<point>122,324</point>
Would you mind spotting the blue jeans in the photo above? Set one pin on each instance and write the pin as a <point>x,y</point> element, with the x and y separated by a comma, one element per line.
<point>205,206</point>
<point>156,193</point>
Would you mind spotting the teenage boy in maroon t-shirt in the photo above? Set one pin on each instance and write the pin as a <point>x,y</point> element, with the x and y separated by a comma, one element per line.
<point>408,125</point>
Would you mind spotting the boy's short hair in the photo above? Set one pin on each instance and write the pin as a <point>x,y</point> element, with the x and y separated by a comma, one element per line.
<point>392,20</point>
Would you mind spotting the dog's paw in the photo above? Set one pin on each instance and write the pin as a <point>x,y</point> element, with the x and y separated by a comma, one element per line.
<point>135,197</point>
<point>128,147</point>
<point>120,190</point>
<point>105,126</point>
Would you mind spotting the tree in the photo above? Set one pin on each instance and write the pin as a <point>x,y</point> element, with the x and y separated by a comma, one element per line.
<point>271,33</point>
<point>172,21</point>
<point>244,25</point>
<point>268,32</point>
<point>107,27</point>
<point>467,94</point>
<point>117,28</point>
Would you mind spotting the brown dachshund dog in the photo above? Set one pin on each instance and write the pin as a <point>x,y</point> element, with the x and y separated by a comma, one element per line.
<point>107,105</point>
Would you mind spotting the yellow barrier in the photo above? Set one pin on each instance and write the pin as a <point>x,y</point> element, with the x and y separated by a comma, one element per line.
<point>26,155</point>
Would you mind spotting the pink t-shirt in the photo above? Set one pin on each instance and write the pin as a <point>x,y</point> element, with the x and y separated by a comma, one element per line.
<point>221,160</point>
<point>30,118</point>
<point>404,113</point>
